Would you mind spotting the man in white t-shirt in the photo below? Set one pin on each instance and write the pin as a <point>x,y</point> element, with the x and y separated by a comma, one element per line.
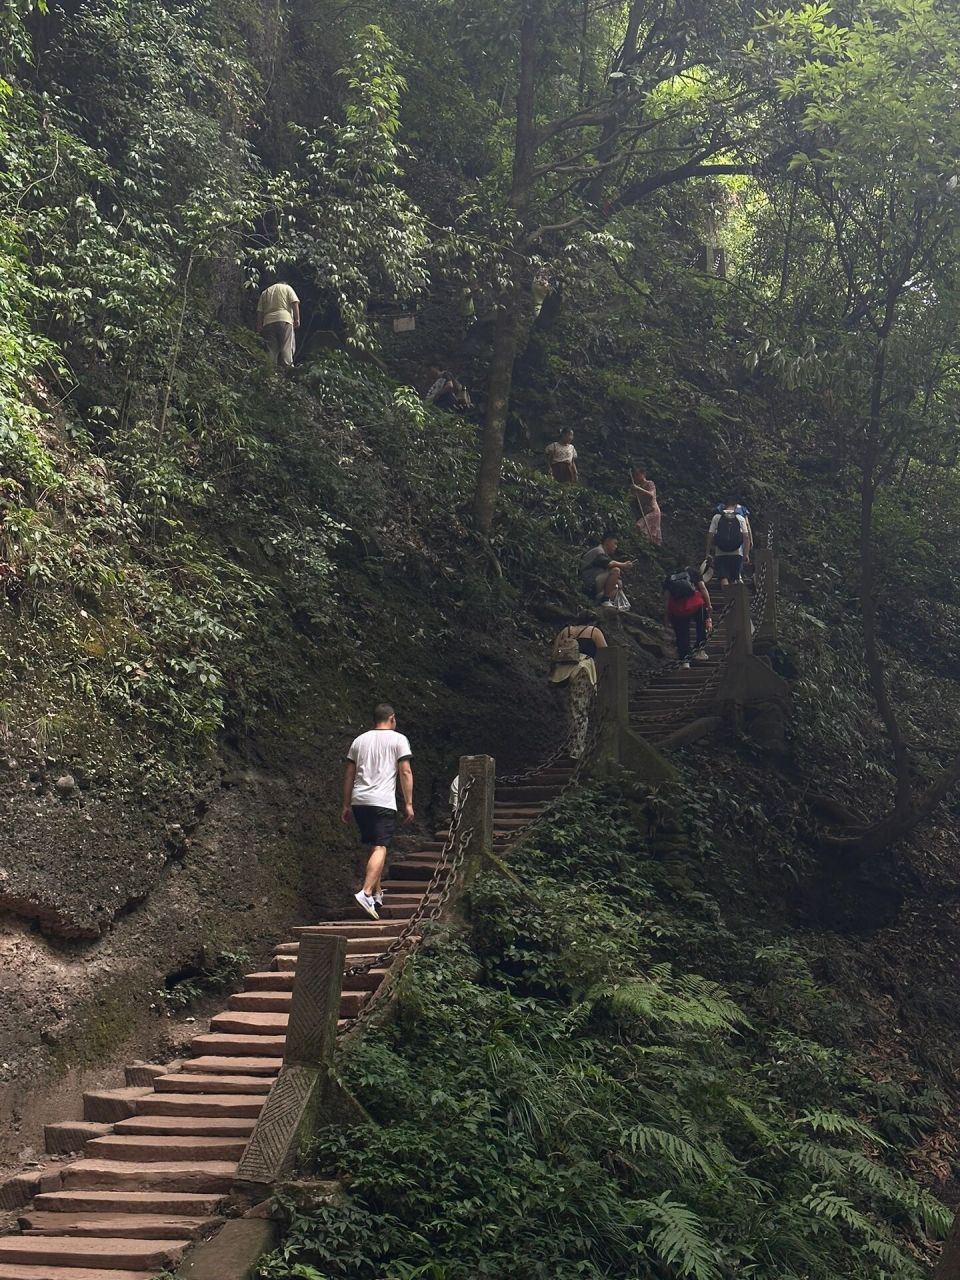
<point>278,316</point>
<point>562,457</point>
<point>375,761</point>
<point>730,541</point>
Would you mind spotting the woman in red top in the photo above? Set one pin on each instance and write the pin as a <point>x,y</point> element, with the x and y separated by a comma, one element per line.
<point>688,602</point>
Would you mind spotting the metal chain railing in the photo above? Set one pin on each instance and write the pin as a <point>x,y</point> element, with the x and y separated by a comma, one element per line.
<point>449,862</point>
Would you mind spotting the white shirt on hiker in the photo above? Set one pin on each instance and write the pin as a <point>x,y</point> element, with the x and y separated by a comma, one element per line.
<point>558,452</point>
<point>276,304</point>
<point>744,530</point>
<point>376,754</point>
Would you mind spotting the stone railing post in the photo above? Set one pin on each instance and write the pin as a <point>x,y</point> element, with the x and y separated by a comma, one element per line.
<point>739,625</point>
<point>613,698</point>
<point>766,570</point>
<point>479,774</point>
<point>291,1107</point>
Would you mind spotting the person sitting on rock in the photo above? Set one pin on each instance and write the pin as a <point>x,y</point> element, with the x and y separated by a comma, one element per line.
<point>687,601</point>
<point>562,458</point>
<point>600,573</point>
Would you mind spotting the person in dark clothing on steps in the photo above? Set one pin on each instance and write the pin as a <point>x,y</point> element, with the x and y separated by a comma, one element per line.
<point>688,604</point>
<point>374,763</point>
<point>600,573</point>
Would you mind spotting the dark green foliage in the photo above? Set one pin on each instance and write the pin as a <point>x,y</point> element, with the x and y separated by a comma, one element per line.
<point>563,1095</point>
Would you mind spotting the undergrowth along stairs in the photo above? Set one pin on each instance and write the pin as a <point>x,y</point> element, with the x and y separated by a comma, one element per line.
<point>161,1154</point>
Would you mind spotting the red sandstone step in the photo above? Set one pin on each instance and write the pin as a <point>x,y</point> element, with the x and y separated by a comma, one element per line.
<point>189,1082</point>
<point>522,794</point>
<point>144,1148</point>
<point>368,981</point>
<point>245,1105</point>
<point>190,1125</point>
<point>235,1044</point>
<point>262,1001</point>
<point>110,1105</point>
<point>269,980</point>
<point>143,1226</point>
<point>348,929</point>
<point>20,1271</point>
<point>168,1175</point>
<point>110,1254</point>
<point>250,1024</point>
<point>371,945</point>
<point>135,1202</point>
<point>66,1136</point>
<point>234,1066</point>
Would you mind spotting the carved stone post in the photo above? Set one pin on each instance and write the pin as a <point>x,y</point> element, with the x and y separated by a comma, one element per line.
<point>618,745</point>
<point>289,1113</point>
<point>766,571</point>
<point>479,773</point>
<point>739,625</point>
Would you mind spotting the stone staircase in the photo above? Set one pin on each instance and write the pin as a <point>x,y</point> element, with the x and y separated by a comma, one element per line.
<point>160,1155</point>
<point>670,698</point>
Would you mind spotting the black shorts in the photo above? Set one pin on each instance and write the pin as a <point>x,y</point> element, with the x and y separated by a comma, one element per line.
<point>377,826</point>
<point>728,565</point>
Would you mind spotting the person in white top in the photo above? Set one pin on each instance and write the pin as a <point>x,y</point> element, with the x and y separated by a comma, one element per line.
<point>278,317</point>
<point>375,761</point>
<point>730,541</point>
<point>562,457</point>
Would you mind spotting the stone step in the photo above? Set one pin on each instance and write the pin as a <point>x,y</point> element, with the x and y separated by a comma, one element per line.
<point>219,1044</point>
<point>525,812</point>
<point>20,1271</point>
<point>190,1083</point>
<point>234,1066</point>
<point>140,1074</point>
<point>363,982</point>
<point>143,1226</point>
<point>245,1105</point>
<point>67,1136</point>
<point>112,1254</point>
<point>249,1023</point>
<point>145,1148</point>
<point>197,1126</point>
<point>168,1175</point>
<point>521,794</point>
<point>268,980</point>
<point>371,945</point>
<point>502,823</point>
<point>421,870</point>
<point>262,1001</point>
<point>349,929</point>
<point>135,1202</point>
<point>107,1106</point>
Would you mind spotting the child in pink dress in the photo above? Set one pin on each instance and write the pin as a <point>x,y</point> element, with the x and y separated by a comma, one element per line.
<point>645,492</point>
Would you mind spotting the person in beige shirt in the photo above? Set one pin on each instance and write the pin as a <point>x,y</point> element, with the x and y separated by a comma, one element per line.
<point>278,317</point>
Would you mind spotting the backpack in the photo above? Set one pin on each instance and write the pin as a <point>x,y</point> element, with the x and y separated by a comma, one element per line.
<point>729,536</point>
<point>680,586</point>
<point>567,650</point>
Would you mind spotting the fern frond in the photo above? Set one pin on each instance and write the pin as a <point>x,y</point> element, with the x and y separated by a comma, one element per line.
<point>687,1001</point>
<point>834,1122</point>
<point>824,1203</point>
<point>678,1238</point>
<point>898,1262</point>
<point>756,1124</point>
<point>646,1139</point>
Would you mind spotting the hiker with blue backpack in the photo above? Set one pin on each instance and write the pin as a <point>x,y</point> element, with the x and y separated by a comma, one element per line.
<point>729,542</point>
<point>688,605</point>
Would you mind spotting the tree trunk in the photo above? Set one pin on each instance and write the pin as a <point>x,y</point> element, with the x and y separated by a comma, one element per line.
<point>948,1268</point>
<point>868,589</point>
<point>506,336</point>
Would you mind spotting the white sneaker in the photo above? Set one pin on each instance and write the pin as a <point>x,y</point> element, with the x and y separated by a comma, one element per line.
<point>368,904</point>
<point>378,899</point>
<point>685,663</point>
<point>701,656</point>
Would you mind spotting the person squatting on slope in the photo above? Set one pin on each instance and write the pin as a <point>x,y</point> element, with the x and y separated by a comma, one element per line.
<point>375,761</point>
<point>562,458</point>
<point>572,664</point>
<point>278,316</point>
<point>600,573</point>
<point>730,542</point>
<point>687,602</point>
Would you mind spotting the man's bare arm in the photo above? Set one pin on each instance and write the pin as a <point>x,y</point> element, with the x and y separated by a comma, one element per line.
<point>296,315</point>
<point>349,776</point>
<point>405,771</point>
